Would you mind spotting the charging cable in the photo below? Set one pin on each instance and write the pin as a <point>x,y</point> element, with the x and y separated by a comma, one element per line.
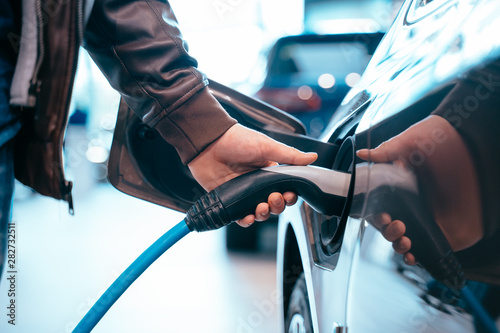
<point>124,281</point>
<point>327,192</point>
<point>230,202</point>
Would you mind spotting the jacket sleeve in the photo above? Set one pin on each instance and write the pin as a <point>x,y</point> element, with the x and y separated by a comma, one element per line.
<point>471,108</point>
<point>138,46</point>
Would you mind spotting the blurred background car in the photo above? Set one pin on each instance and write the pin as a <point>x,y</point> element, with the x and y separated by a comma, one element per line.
<point>308,75</point>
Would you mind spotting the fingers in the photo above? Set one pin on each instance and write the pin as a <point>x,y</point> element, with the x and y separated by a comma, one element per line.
<point>389,151</point>
<point>381,154</point>
<point>364,154</point>
<point>409,259</point>
<point>290,198</point>
<point>402,245</point>
<point>391,230</point>
<point>386,152</point>
<point>394,231</point>
<point>262,212</point>
<point>246,221</point>
<point>381,220</point>
<point>411,140</point>
<point>277,201</point>
<point>276,204</point>
<point>283,154</point>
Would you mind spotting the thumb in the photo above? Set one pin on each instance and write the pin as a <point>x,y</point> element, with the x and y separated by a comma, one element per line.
<point>283,154</point>
<point>388,151</point>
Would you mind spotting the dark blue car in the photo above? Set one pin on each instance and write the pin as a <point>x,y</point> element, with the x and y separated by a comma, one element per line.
<point>309,75</point>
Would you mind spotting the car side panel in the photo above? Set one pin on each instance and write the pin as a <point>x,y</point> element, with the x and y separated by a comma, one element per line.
<point>327,288</point>
<point>386,295</point>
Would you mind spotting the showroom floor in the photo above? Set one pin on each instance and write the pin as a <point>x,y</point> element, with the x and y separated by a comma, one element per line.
<point>64,263</point>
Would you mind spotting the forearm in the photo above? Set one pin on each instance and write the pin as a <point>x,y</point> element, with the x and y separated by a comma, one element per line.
<point>140,49</point>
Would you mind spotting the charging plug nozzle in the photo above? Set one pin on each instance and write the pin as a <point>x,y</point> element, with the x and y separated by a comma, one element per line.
<point>323,189</point>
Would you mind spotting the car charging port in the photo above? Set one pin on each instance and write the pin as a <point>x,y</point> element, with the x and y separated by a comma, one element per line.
<point>332,228</point>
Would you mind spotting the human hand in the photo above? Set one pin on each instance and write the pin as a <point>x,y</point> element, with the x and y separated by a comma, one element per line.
<point>438,155</point>
<point>241,150</point>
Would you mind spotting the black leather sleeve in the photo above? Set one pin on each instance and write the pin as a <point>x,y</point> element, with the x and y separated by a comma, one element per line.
<point>472,109</point>
<point>140,49</point>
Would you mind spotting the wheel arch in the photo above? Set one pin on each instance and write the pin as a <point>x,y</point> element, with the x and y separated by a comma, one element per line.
<point>292,266</point>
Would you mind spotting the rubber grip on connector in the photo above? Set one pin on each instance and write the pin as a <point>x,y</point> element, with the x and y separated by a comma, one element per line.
<point>207,213</point>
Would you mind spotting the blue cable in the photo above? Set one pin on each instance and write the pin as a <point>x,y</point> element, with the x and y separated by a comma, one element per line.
<point>478,311</point>
<point>124,281</point>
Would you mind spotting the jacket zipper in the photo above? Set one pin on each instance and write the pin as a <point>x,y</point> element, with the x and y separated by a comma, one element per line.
<point>78,37</point>
<point>79,22</point>
<point>35,83</point>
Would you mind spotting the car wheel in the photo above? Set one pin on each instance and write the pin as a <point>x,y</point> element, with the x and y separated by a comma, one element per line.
<point>298,319</point>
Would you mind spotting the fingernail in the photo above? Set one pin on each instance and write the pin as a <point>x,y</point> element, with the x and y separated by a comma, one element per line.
<point>277,202</point>
<point>386,218</point>
<point>361,151</point>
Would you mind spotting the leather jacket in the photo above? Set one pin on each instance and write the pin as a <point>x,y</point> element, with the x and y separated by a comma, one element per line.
<point>140,49</point>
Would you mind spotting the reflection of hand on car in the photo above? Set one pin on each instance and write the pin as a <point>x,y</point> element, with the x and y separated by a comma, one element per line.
<point>442,162</point>
<point>240,150</point>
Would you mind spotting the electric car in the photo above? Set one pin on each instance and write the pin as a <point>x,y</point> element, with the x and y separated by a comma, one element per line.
<point>337,273</point>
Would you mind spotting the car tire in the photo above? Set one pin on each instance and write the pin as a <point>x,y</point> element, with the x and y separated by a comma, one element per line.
<point>298,319</point>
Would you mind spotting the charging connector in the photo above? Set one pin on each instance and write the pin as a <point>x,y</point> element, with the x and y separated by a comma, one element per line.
<point>323,189</point>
